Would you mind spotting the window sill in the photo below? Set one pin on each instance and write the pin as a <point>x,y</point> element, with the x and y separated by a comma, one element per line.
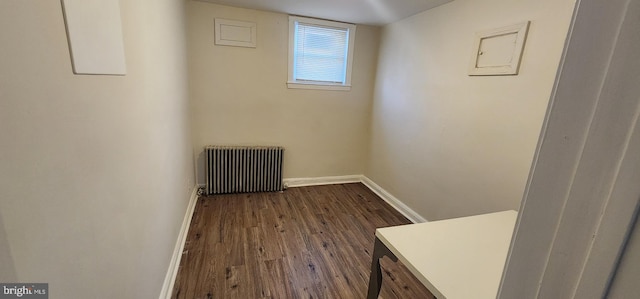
<point>319,86</point>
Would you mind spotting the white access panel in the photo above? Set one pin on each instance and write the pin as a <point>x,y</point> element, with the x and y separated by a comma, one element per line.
<point>235,33</point>
<point>94,31</point>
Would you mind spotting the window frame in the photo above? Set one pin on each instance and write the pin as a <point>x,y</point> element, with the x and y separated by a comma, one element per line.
<point>351,29</point>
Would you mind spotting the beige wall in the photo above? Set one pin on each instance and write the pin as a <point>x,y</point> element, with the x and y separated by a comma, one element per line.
<point>239,96</point>
<point>450,145</point>
<point>95,171</point>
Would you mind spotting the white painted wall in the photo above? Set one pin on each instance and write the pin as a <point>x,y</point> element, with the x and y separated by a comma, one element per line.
<point>448,144</point>
<point>95,171</point>
<point>239,96</point>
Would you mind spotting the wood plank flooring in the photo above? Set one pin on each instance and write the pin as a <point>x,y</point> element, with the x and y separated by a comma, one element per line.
<point>308,242</point>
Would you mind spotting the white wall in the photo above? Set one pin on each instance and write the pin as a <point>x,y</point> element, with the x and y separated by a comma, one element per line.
<point>448,144</point>
<point>95,171</point>
<point>239,96</point>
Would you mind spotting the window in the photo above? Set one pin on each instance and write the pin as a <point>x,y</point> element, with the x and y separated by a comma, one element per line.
<point>320,54</point>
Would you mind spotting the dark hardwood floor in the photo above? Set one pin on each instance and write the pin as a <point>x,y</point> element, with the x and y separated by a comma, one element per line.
<point>308,242</point>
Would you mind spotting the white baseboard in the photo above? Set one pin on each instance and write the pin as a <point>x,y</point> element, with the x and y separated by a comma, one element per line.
<point>358,178</point>
<point>327,180</point>
<point>172,272</point>
<point>393,201</point>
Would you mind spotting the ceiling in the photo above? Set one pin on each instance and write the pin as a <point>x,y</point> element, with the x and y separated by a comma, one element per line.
<point>369,12</point>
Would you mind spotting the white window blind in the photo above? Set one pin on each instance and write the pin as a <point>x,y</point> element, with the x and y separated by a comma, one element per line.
<point>320,53</point>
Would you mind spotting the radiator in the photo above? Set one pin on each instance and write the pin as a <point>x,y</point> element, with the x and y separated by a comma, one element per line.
<point>240,169</point>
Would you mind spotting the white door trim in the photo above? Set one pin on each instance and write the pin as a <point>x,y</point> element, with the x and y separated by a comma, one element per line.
<point>578,195</point>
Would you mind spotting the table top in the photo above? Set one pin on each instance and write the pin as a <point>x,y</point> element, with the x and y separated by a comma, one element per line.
<point>457,258</point>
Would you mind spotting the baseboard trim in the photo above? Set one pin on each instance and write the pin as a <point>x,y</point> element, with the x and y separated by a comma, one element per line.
<point>327,180</point>
<point>393,201</point>
<point>172,272</point>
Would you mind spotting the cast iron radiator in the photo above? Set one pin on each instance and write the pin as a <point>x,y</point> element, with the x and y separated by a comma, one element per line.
<point>239,169</point>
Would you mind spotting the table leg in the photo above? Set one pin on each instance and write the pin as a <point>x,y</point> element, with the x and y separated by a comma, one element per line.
<point>375,278</point>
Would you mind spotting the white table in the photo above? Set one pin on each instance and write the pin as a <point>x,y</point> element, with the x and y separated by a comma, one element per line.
<point>457,258</point>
